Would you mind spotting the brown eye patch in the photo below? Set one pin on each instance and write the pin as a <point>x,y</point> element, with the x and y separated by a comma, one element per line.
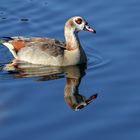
<point>78,21</point>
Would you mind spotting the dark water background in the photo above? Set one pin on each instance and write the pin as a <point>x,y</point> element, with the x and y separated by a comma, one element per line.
<point>34,108</point>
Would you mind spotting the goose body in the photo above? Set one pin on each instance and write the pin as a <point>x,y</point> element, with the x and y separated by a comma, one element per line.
<point>46,51</point>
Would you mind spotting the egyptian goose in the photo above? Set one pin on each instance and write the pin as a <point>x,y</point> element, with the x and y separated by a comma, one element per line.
<point>47,51</point>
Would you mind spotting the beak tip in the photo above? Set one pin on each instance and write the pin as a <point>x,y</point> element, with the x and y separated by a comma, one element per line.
<point>94,32</point>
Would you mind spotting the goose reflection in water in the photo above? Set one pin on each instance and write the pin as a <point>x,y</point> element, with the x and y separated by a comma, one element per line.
<point>73,75</point>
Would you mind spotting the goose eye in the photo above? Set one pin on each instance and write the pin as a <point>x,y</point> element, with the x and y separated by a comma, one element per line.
<point>78,21</point>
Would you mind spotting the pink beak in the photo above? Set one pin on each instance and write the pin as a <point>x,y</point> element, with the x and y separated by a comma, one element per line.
<point>87,28</point>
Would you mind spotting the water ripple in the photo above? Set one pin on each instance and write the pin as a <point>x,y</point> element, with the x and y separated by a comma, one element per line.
<point>30,108</point>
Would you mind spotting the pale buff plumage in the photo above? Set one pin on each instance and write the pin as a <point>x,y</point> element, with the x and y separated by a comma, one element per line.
<point>47,51</point>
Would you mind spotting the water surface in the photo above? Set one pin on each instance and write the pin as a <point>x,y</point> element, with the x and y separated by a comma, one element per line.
<point>32,101</point>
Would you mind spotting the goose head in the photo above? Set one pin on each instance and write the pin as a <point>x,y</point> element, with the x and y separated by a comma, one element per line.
<point>77,24</point>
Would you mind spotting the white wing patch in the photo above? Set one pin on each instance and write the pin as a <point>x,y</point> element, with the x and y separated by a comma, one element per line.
<point>11,48</point>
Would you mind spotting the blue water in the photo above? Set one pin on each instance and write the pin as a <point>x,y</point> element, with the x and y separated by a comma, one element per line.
<point>32,104</point>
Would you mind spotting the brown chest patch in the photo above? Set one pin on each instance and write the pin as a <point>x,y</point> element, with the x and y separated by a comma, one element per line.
<point>18,44</point>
